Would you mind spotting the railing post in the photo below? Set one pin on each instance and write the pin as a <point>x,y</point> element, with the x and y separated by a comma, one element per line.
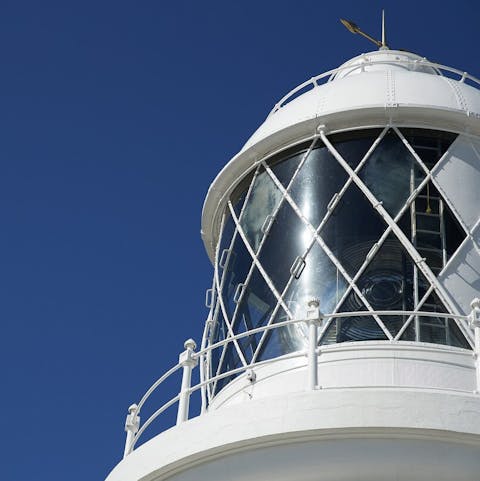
<point>188,362</point>
<point>132,424</point>
<point>313,320</point>
<point>475,323</point>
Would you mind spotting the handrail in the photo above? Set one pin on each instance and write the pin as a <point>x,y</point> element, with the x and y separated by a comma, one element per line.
<point>190,358</point>
<point>330,316</point>
<point>156,384</point>
<point>313,82</point>
<point>152,418</point>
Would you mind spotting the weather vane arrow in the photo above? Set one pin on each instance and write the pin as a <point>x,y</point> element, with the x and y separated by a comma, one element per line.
<point>354,28</point>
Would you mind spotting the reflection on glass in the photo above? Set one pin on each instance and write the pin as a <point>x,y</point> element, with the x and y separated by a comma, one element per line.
<point>264,199</point>
<point>231,361</point>
<point>283,340</point>
<point>254,311</point>
<point>227,234</point>
<point>319,179</point>
<point>387,283</point>
<point>235,271</point>
<point>319,279</point>
<point>430,145</point>
<point>240,193</point>
<point>353,229</point>
<point>286,167</point>
<point>391,173</point>
<point>294,236</point>
<point>353,146</point>
<point>219,333</point>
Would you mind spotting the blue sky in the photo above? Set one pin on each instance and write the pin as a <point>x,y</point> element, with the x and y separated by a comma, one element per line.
<point>114,119</point>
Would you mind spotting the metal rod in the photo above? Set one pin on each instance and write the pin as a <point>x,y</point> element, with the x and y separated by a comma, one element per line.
<point>384,42</point>
<point>188,361</point>
<point>477,358</point>
<point>313,320</point>
<point>474,322</point>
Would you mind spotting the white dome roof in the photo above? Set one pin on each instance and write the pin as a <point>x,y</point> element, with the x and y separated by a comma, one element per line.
<point>381,79</point>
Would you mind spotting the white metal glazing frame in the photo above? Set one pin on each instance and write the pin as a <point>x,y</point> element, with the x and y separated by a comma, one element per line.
<point>392,227</point>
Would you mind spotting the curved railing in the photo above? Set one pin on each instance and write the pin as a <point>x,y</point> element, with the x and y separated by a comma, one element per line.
<point>189,359</point>
<point>330,76</point>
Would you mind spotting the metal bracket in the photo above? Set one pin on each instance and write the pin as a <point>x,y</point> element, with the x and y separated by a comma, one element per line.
<point>209,297</point>
<point>238,293</point>
<point>297,267</point>
<point>267,224</point>
<point>223,258</point>
<point>251,375</point>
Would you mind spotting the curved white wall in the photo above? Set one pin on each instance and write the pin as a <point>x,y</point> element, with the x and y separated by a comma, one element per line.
<point>337,435</point>
<point>370,364</point>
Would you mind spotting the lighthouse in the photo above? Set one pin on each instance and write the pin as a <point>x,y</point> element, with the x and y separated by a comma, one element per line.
<point>343,336</point>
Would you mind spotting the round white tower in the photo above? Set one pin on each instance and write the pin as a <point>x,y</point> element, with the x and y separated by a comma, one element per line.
<point>343,332</point>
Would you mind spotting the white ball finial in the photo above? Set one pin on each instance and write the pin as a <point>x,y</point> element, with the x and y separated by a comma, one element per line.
<point>475,304</point>
<point>190,344</point>
<point>314,302</point>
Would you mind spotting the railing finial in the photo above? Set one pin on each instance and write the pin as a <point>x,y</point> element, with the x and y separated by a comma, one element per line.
<point>190,344</point>
<point>132,423</point>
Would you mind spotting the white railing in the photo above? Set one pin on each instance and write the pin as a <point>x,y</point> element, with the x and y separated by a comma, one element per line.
<point>330,75</point>
<point>188,359</point>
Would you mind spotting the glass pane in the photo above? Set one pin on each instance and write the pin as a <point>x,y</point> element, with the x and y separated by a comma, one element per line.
<point>427,200</point>
<point>455,337</point>
<point>319,279</point>
<point>235,272</point>
<point>239,202</point>
<point>283,340</point>
<point>264,199</point>
<point>330,336</point>
<point>405,223</point>
<point>353,146</point>
<point>226,239</point>
<point>433,229</point>
<point>240,193</point>
<point>219,333</point>
<point>285,168</point>
<point>254,311</point>
<point>454,233</point>
<point>388,283</point>
<point>439,330</point>
<point>391,173</point>
<point>430,145</point>
<point>320,177</point>
<point>422,224</point>
<point>409,333</point>
<point>353,229</point>
<point>231,361</point>
<point>357,328</point>
<point>288,238</point>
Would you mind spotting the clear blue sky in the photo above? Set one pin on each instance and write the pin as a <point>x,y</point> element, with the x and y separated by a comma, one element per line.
<point>114,119</point>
